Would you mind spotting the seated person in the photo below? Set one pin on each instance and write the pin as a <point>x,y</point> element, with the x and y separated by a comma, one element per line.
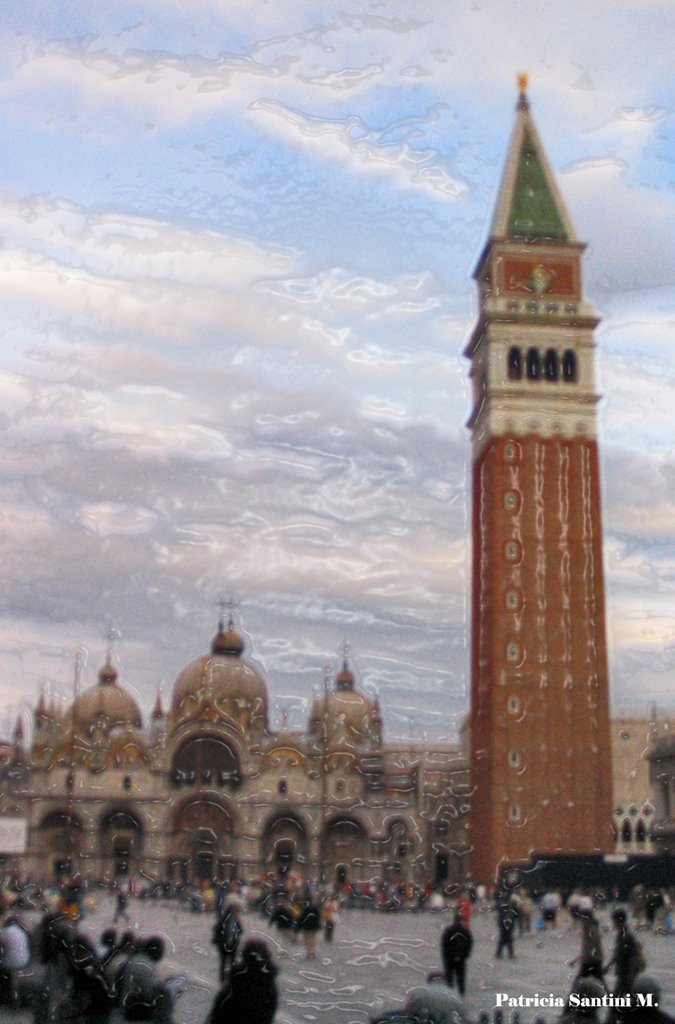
<point>14,944</point>
<point>14,953</point>
<point>144,994</point>
<point>435,1002</point>
<point>650,989</point>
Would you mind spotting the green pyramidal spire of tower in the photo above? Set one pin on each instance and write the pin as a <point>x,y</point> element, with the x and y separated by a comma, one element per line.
<point>534,212</point>
<point>529,204</point>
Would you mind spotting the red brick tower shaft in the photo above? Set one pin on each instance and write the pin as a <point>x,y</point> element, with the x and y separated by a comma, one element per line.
<point>540,737</point>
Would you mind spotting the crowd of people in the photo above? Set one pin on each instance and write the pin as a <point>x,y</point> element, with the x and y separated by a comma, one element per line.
<point>632,997</point>
<point>76,980</point>
<point>123,976</point>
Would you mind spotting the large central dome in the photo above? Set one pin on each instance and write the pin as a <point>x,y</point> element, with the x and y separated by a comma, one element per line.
<point>221,685</point>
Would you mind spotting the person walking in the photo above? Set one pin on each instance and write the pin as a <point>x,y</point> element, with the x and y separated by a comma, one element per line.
<point>464,909</point>
<point>250,995</point>
<point>627,958</point>
<point>456,946</point>
<point>309,923</point>
<point>590,957</point>
<point>122,899</point>
<point>226,937</point>
<point>506,917</point>
<point>329,916</point>
<point>282,917</point>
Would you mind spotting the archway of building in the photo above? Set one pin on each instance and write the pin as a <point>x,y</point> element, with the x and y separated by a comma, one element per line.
<point>202,843</point>
<point>284,844</point>
<point>205,760</point>
<point>346,851</point>
<point>399,851</point>
<point>120,842</point>
<point>59,843</point>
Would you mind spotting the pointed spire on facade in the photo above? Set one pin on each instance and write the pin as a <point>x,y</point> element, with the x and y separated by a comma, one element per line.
<point>529,204</point>
<point>18,731</point>
<point>108,673</point>
<point>158,710</point>
<point>344,680</point>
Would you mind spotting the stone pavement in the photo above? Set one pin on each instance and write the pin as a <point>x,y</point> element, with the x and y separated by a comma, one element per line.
<point>374,960</point>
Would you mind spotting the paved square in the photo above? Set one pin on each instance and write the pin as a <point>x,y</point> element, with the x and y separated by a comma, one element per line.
<point>374,960</point>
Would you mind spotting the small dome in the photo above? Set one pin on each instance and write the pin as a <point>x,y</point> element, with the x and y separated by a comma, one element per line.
<point>347,719</point>
<point>344,680</point>
<point>107,674</point>
<point>106,706</point>
<point>227,641</point>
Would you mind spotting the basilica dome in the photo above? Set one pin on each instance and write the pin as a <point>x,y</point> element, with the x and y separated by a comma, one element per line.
<point>221,685</point>
<point>105,707</point>
<point>345,719</point>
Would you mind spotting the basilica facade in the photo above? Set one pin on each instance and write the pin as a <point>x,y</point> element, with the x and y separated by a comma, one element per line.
<point>206,789</point>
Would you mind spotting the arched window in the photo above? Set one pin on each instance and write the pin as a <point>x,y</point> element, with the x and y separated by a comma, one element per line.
<point>551,364</point>
<point>515,364</point>
<point>569,366</point>
<point>533,364</point>
<point>626,831</point>
<point>205,760</point>
<point>640,832</point>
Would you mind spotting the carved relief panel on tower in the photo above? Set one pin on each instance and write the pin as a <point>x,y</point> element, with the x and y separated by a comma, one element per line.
<point>537,274</point>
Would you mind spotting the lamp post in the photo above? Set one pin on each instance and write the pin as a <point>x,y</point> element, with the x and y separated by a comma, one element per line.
<point>70,774</point>
<point>324,777</point>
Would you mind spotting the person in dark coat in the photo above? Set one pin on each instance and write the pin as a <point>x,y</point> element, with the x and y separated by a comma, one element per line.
<point>143,993</point>
<point>650,991</point>
<point>249,996</point>
<point>506,917</point>
<point>625,958</point>
<point>590,957</point>
<point>226,936</point>
<point>309,923</point>
<point>90,997</point>
<point>282,917</point>
<point>52,941</point>
<point>456,946</point>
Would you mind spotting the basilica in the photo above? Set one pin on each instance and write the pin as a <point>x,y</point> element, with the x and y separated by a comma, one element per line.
<point>206,789</point>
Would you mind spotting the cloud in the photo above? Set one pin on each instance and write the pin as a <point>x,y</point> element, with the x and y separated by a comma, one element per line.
<point>231,354</point>
<point>350,141</point>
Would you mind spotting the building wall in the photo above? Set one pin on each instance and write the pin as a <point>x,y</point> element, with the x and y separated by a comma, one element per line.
<point>633,739</point>
<point>404,821</point>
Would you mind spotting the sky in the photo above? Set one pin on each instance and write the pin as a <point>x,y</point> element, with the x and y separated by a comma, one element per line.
<point>236,246</point>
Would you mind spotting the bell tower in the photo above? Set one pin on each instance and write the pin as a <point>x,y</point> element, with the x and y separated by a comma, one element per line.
<point>539,721</point>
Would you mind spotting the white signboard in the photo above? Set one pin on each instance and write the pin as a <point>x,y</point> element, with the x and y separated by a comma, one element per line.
<point>13,832</point>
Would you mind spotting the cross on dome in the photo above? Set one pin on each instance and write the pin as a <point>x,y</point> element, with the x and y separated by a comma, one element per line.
<point>230,603</point>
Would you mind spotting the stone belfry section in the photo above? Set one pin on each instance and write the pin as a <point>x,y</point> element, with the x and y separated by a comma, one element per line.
<point>539,722</point>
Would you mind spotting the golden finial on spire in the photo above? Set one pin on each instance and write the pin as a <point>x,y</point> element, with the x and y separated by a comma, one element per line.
<point>522,80</point>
